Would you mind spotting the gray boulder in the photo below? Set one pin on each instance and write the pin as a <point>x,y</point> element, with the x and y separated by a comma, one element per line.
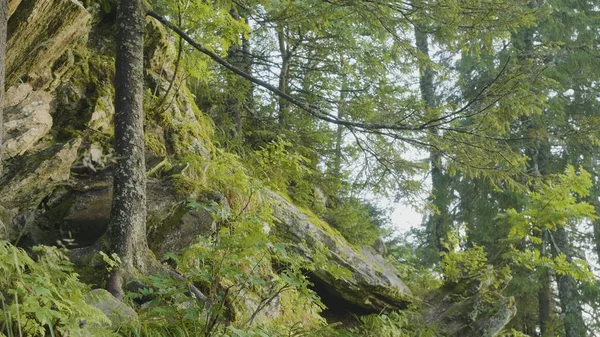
<point>27,118</point>
<point>372,283</point>
<point>117,311</point>
<point>30,179</point>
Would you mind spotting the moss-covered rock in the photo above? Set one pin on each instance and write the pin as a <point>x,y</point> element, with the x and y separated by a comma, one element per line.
<point>39,32</point>
<point>468,316</point>
<point>117,311</point>
<point>371,283</point>
<point>29,179</point>
<point>27,118</point>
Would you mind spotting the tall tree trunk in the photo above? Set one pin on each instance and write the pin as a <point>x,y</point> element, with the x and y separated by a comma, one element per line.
<point>128,215</point>
<point>545,293</point>
<point>3,26</point>
<point>438,223</point>
<point>283,76</point>
<point>539,153</point>
<point>567,289</point>
<point>239,101</point>
<point>341,114</point>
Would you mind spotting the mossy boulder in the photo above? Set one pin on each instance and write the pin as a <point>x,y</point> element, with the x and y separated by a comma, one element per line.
<point>369,281</point>
<point>29,179</point>
<point>468,316</point>
<point>27,118</point>
<point>39,32</point>
<point>116,311</point>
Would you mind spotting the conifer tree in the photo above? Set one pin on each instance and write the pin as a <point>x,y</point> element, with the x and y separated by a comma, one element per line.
<point>127,227</point>
<point>3,36</point>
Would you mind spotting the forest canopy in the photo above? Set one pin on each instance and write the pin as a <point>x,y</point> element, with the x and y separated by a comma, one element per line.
<point>490,108</point>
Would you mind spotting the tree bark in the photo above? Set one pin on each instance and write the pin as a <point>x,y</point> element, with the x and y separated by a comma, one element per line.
<point>545,295</point>
<point>3,34</point>
<point>539,153</point>
<point>128,215</point>
<point>438,224</point>
<point>283,76</point>
<point>239,104</point>
<point>341,114</point>
<point>567,289</point>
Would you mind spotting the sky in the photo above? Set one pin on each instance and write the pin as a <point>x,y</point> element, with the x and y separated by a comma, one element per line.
<point>404,217</point>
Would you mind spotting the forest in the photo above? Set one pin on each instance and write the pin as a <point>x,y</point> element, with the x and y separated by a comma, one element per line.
<point>215,168</point>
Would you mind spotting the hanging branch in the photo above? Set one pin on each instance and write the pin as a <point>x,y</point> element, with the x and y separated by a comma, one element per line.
<point>319,113</point>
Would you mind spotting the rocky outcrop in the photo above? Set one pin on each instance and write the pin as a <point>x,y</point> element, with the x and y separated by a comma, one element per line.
<point>39,33</point>
<point>27,118</point>
<point>77,215</point>
<point>61,122</point>
<point>468,316</point>
<point>28,180</point>
<point>372,284</point>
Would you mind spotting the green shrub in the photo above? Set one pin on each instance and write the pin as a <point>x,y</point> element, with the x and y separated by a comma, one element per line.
<point>356,221</point>
<point>44,297</point>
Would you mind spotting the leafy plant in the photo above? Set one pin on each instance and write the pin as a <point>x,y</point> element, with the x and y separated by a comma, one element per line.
<point>44,296</point>
<point>358,221</point>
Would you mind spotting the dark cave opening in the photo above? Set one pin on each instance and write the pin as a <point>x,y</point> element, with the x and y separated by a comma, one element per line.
<point>338,309</point>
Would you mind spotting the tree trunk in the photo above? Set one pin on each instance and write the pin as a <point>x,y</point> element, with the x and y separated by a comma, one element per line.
<point>239,104</point>
<point>567,289</point>
<point>438,223</point>
<point>545,295</point>
<point>3,26</point>
<point>341,114</point>
<point>128,215</point>
<point>283,76</point>
<point>539,153</point>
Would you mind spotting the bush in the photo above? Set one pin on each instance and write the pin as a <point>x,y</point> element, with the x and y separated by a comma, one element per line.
<point>44,296</point>
<point>358,221</point>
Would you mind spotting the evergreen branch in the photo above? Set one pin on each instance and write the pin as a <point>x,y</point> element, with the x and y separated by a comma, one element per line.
<point>375,128</point>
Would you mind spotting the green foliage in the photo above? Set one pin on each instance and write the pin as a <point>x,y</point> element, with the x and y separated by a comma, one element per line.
<point>470,266</point>
<point>357,220</point>
<point>394,324</point>
<point>554,203</point>
<point>235,271</point>
<point>283,170</point>
<point>44,296</point>
<point>408,261</point>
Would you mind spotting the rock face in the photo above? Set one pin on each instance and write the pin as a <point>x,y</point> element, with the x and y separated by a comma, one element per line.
<point>469,317</point>
<point>59,121</point>
<point>29,180</point>
<point>39,33</point>
<point>27,118</point>
<point>373,284</point>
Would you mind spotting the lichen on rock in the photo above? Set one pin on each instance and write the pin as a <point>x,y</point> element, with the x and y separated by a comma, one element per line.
<point>372,285</point>
<point>39,33</point>
<point>29,179</point>
<point>27,118</point>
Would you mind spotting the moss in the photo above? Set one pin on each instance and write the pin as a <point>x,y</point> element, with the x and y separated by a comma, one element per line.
<point>315,220</point>
<point>298,309</point>
<point>185,186</point>
<point>102,139</point>
<point>159,224</point>
<point>78,96</point>
<point>156,145</point>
